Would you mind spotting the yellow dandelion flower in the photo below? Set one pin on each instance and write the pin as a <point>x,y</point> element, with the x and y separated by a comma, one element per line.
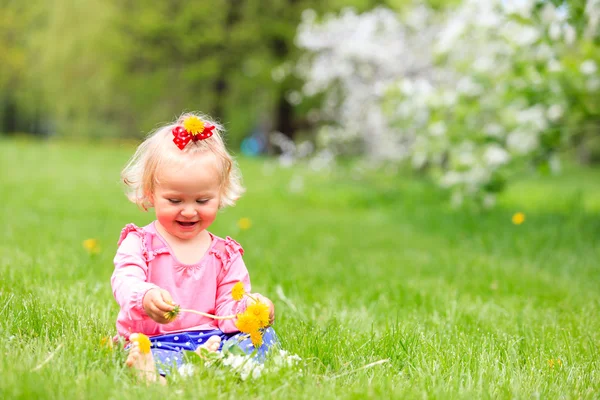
<point>260,311</point>
<point>107,342</point>
<point>518,218</point>
<point>193,125</point>
<point>171,315</point>
<point>555,363</point>
<point>247,323</point>
<point>244,223</point>
<point>256,338</point>
<point>143,341</point>
<point>92,246</point>
<point>238,291</point>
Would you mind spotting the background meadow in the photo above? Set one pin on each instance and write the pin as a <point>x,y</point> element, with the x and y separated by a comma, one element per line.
<point>381,287</point>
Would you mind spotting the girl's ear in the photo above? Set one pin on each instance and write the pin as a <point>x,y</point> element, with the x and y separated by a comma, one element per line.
<point>150,197</point>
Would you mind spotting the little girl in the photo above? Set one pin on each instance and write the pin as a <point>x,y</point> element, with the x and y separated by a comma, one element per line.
<point>184,171</point>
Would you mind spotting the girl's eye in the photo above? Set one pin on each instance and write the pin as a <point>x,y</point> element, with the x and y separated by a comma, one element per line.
<point>174,201</point>
<point>203,201</point>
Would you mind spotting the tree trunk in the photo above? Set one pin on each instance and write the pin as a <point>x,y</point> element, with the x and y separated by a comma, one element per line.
<point>284,111</point>
<point>221,86</point>
<point>9,117</point>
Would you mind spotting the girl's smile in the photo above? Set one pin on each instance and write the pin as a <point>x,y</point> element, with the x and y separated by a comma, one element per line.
<point>187,223</point>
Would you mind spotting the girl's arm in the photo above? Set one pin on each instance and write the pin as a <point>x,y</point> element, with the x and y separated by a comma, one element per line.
<point>235,271</point>
<point>128,280</point>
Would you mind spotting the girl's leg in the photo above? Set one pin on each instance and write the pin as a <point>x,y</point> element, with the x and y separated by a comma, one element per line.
<point>212,344</point>
<point>143,363</point>
<point>167,350</point>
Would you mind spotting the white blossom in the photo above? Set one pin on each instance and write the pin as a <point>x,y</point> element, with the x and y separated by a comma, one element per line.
<point>186,370</point>
<point>483,64</point>
<point>521,35</point>
<point>257,371</point>
<point>465,157</point>
<point>534,117</point>
<point>550,14</point>
<point>495,155</point>
<point>522,142</point>
<point>466,85</point>
<point>555,31</point>
<point>592,11</point>
<point>493,130</point>
<point>554,66</point>
<point>555,112</point>
<point>522,8</point>
<point>418,159</point>
<point>570,34</point>
<point>451,178</point>
<point>438,128</point>
<point>544,52</point>
<point>278,74</point>
<point>592,84</point>
<point>588,67</point>
<point>364,55</point>
<point>294,97</point>
<point>450,34</point>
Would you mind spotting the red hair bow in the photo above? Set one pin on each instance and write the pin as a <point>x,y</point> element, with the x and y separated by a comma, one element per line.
<point>182,136</point>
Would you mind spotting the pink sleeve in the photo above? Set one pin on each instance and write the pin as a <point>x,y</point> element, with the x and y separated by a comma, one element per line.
<point>234,270</point>
<point>128,280</point>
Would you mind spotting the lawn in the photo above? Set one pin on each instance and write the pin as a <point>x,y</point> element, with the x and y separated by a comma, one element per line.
<point>381,287</point>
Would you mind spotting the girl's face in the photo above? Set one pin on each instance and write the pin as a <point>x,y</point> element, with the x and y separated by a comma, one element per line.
<point>186,198</point>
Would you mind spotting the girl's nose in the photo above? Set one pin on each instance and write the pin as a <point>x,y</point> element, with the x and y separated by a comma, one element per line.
<point>188,211</point>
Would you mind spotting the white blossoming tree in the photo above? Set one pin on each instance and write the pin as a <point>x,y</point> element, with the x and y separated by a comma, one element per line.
<point>354,59</point>
<point>471,95</point>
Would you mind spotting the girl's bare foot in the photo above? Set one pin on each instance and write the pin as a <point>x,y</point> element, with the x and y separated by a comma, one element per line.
<point>212,345</point>
<point>143,363</point>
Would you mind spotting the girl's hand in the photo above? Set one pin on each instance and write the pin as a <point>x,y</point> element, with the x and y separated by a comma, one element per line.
<point>265,300</point>
<point>156,303</point>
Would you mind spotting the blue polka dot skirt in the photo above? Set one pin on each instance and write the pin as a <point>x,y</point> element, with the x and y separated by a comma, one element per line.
<point>167,349</point>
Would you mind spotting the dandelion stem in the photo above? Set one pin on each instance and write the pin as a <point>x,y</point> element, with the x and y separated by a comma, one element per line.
<point>361,368</point>
<point>252,297</point>
<point>37,368</point>
<point>208,315</point>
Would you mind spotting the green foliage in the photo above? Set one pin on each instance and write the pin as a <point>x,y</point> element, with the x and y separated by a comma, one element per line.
<point>113,68</point>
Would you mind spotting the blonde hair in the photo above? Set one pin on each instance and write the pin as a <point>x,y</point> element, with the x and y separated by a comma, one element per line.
<point>139,175</point>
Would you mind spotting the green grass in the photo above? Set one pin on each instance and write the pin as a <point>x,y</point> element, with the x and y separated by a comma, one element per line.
<point>461,304</point>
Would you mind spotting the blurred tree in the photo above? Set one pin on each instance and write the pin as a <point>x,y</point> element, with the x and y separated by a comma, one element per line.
<point>116,68</point>
<point>17,111</point>
<point>72,66</point>
<point>217,59</point>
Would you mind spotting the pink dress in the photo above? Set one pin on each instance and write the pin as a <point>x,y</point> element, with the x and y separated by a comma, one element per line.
<point>145,261</point>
